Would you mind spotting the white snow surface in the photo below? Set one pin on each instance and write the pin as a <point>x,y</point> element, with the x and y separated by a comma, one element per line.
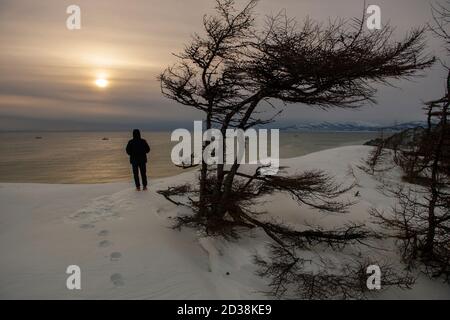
<point>124,244</point>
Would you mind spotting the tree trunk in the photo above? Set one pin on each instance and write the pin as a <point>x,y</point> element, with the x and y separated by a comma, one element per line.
<point>434,185</point>
<point>227,184</point>
<point>220,209</point>
<point>203,210</point>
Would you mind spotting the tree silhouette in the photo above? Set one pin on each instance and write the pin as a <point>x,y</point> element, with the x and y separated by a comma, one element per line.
<point>235,69</point>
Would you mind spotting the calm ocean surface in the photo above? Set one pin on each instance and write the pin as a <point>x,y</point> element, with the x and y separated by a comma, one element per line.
<point>97,157</point>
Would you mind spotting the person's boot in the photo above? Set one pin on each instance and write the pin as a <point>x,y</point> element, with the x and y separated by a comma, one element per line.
<point>138,188</point>
<point>145,188</point>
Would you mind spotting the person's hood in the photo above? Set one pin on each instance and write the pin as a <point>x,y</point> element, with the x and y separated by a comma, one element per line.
<point>136,134</point>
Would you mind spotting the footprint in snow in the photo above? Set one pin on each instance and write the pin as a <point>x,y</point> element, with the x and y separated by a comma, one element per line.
<point>103,233</point>
<point>117,280</point>
<point>104,243</point>
<point>87,226</point>
<point>115,256</point>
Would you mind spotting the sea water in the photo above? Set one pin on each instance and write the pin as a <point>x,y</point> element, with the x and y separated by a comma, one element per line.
<point>97,157</point>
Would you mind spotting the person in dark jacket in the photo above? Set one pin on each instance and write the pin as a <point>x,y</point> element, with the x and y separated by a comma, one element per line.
<point>137,149</point>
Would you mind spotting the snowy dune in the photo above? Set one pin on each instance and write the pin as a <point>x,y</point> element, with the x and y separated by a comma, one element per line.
<point>122,240</point>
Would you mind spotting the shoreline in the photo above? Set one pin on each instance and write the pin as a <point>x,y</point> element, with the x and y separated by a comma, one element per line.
<point>130,180</point>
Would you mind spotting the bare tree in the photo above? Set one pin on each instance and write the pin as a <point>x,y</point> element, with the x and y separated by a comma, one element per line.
<point>441,17</point>
<point>421,220</point>
<point>203,79</point>
<point>376,161</point>
<point>235,69</point>
<point>306,279</point>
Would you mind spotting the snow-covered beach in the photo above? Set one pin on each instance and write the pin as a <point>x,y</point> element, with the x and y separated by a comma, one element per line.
<point>122,240</point>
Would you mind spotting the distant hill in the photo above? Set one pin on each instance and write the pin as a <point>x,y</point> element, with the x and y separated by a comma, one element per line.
<point>404,138</point>
<point>351,127</point>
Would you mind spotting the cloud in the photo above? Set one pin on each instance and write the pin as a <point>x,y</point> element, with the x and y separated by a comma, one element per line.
<point>47,72</point>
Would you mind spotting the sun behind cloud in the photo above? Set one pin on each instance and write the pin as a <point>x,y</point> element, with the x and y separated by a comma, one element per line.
<point>101,81</point>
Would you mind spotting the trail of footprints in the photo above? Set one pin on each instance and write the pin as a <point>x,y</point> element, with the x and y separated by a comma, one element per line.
<point>116,278</point>
<point>115,256</point>
<point>104,208</point>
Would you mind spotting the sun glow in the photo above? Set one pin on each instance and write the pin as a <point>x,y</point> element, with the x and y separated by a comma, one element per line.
<point>101,82</point>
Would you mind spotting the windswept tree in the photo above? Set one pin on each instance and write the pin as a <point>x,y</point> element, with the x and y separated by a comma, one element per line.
<point>235,69</point>
<point>421,219</point>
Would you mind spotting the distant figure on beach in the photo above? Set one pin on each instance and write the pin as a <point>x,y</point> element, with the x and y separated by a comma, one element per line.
<point>137,149</point>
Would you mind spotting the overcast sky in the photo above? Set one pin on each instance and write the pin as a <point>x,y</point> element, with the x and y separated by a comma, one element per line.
<point>48,73</point>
